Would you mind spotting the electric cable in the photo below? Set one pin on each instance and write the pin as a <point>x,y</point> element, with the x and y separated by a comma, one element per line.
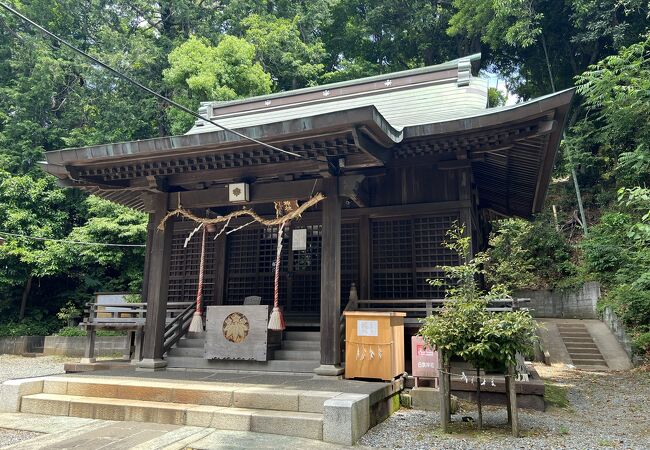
<point>145,88</point>
<point>104,244</point>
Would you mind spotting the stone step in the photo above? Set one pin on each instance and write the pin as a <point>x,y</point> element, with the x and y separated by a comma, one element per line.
<point>188,392</point>
<point>301,345</point>
<point>302,336</point>
<point>307,366</point>
<point>577,339</point>
<point>582,346</point>
<point>586,351</point>
<point>193,352</point>
<point>588,361</point>
<point>565,326</point>
<point>291,423</point>
<point>583,357</point>
<point>195,335</point>
<point>296,355</point>
<point>190,343</point>
<point>566,334</point>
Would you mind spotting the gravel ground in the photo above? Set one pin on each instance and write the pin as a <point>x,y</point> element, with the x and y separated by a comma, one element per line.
<point>13,366</point>
<point>10,437</point>
<point>606,410</point>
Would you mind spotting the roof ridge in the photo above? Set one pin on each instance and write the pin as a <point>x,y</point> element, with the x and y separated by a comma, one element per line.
<point>357,81</point>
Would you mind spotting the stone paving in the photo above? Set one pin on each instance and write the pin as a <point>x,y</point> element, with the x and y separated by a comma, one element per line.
<point>91,434</point>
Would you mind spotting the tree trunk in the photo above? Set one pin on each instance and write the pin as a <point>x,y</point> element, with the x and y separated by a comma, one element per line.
<point>23,301</point>
<point>478,398</point>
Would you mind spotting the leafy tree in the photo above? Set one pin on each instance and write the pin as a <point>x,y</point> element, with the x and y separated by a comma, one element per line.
<point>200,72</point>
<point>529,255</point>
<point>465,327</point>
<point>496,98</point>
<point>616,133</point>
<point>32,208</point>
<point>281,51</point>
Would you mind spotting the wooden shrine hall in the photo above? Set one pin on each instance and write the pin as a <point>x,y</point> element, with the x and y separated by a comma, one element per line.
<point>399,157</point>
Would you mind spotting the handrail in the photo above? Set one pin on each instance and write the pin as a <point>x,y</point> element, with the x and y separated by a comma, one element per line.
<point>178,327</point>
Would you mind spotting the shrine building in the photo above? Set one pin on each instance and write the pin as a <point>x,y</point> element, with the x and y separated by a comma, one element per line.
<point>399,158</point>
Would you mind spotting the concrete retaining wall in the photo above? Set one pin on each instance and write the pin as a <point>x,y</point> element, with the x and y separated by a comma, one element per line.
<point>557,304</point>
<point>616,327</point>
<point>74,345</point>
<point>18,345</point>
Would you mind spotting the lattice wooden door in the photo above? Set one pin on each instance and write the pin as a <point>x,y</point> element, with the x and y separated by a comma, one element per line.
<point>250,267</point>
<point>405,253</point>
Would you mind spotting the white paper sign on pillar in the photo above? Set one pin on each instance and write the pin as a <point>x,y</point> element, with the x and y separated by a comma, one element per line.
<point>299,239</point>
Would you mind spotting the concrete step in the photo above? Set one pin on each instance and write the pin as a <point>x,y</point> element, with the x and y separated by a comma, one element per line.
<point>598,358</point>
<point>585,351</point>
<point>190,343</point>
<point>291,423</point>
<point>301,345</point>
<point>577,340</point>
<point>194,335</point>
<point>194,352</point>
<point>588,362</point>
<point>568,334</point>
<point>302,336</point>
<point>578,326</point>
<point>591,344</point>
<point>296,355</point>
<point>307,366</point>
<point>189,392</point>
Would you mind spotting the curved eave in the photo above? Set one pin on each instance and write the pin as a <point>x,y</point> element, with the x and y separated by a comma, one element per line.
<point>512,180</point>
<point>275,134</point>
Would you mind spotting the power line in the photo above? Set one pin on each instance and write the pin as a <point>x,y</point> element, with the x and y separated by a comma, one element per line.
<point>104,244</point>
<point>145,88</point>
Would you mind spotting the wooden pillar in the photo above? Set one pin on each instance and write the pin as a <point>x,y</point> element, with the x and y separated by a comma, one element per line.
<point>157,283</point>
<point>330,288</point>
<point>220,269</point>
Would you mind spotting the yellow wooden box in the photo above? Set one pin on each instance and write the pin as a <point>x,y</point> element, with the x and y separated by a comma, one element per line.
<point>374,344</point>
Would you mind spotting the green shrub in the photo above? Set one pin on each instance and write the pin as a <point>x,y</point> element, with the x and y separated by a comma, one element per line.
<point>529,255</point>
<point>641,344</point>
<point>110,333</point>
<point>29,327</point>
<point>71,331</point>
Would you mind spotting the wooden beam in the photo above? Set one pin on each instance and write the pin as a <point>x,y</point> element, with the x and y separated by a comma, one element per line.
<point>269,192</point>
<point>350,186</point>
<point>239,173</point>
<point>157,277</point>
<point>330,291</point>
<point>367,145</point>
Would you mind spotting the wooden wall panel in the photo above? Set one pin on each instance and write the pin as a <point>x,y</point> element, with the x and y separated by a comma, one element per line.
<point>407,185</point>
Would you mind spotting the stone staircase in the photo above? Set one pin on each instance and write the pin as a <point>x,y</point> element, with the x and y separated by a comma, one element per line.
<point>263,409</point>
<point>299,353</point>
<point>581,347</point>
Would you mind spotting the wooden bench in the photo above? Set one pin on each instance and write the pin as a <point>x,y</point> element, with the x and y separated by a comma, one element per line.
<point>131,318</point>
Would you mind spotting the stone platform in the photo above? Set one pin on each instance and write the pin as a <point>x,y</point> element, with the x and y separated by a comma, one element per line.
<point>334,411</point>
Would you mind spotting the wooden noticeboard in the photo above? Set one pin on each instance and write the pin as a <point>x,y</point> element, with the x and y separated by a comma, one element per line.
<point>237,332</point>
<point>374,344</point>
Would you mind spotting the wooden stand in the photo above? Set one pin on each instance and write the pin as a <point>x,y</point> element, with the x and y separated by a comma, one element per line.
<point>374,344</point>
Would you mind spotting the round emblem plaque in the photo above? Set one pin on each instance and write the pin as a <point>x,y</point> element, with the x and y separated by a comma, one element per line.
<point>235,327</point>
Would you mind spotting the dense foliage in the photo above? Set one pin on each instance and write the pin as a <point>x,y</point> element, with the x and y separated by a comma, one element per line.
<point>196,51</point>
<point>465,327</point>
